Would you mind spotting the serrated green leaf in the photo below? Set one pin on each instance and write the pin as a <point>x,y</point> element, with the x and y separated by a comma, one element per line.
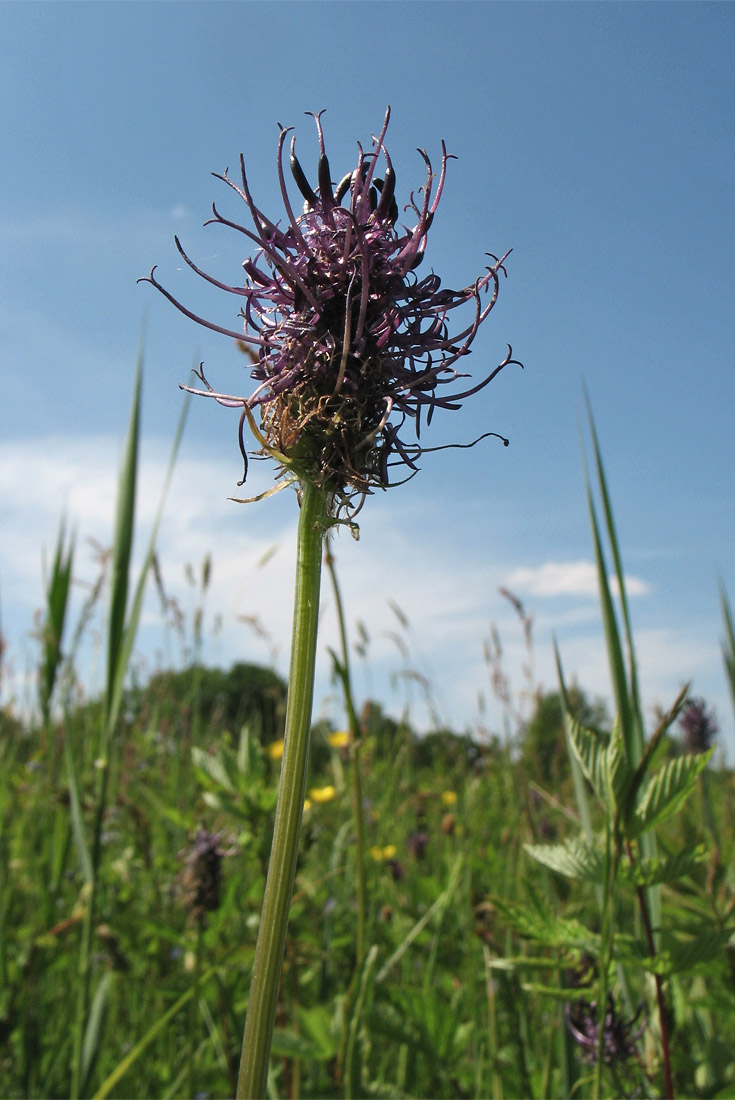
<point>580,787</point>
<point>535,921</point>
<point>649,872</point>
<point>589,748</point>
<point>619,771</point>
<point>688,955</point>
<point>575,859</point>
<point>666,791</point>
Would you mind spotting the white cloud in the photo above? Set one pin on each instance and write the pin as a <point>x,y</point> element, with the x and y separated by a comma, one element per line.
<point>567,578</point>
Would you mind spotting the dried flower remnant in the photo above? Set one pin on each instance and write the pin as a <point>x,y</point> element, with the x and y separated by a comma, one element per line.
<point>349,343</point>
<point>202,874</point>
<point>417,845</point>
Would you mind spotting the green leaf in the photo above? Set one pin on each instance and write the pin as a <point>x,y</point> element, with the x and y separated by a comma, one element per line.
<point>728,648</point>
<point>319,1022</point>
<point>57,601</point>
<point>609,622</point>
<point>289,1044</point>
<point>218,767</point>
<point>619,770</point>
<point>535,921</point>
<point>124,645</point>
<point>77,817</point>
<point>649,872</point>
<point>121,552</point>
<point>95,1027</point>
<point>555,992</point>
<point>575,859</point>
<point>580,788</point>
<point>185,821</point>
<point>625,688</point>
<point>626,691</point>
<point>691,954</point>
<point>589,749</point>
<point>667,791</point>
<point>512,963</point>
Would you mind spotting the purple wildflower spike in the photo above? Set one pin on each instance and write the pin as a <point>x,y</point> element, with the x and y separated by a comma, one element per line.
<point>348,342</point>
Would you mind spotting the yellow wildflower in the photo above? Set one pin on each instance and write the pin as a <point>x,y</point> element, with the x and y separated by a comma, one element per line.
<point>322,794</point>
<point>275,749</point>
<point>338,739</point>
<point>449,797</point>
<point>307,804</point>
<point>379,854</point>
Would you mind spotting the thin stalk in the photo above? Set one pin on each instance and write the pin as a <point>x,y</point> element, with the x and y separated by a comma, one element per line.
<point>356,744</point>
<point>492,1026</point>
<point>194,1005</point>
<point>85,955</point>
<point>607,935</point>
<point>660,1000</point>
<point>269,949</point>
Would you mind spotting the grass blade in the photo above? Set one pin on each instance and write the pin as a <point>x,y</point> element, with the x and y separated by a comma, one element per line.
<point>610,625</point>
<point>728,648</point>
<point>95,1027</point>
<point>57,601</point>
<point>127,640</point>
<point>638,728</point>
<point>122,549</point>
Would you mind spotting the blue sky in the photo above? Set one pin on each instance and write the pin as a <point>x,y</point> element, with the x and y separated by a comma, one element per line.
<point>595,140</point>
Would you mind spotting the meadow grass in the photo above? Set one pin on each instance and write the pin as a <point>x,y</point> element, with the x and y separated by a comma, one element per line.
<point>472,919</point>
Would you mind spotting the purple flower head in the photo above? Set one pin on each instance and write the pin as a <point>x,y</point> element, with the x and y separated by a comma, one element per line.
<point>619,1037</point>
<point>698,726</point>
<point>348,342</point>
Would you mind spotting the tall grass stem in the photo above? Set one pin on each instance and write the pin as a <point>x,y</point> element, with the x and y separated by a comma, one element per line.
<point>343,669</point>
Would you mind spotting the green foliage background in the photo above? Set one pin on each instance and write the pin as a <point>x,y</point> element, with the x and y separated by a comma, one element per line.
<point>506,885</point>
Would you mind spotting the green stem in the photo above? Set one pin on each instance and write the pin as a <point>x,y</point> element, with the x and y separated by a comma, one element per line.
<point>607,935</point>
<point>263,1000</point>
<point>660,1000</point>
<point>78,1082</point>
<point>194,1005</point>
<point>356,744</point>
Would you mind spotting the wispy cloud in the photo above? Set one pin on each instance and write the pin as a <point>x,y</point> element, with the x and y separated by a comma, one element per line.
<point>567,578</point>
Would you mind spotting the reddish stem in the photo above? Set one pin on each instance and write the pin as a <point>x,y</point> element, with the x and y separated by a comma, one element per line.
<point>659,984</point>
